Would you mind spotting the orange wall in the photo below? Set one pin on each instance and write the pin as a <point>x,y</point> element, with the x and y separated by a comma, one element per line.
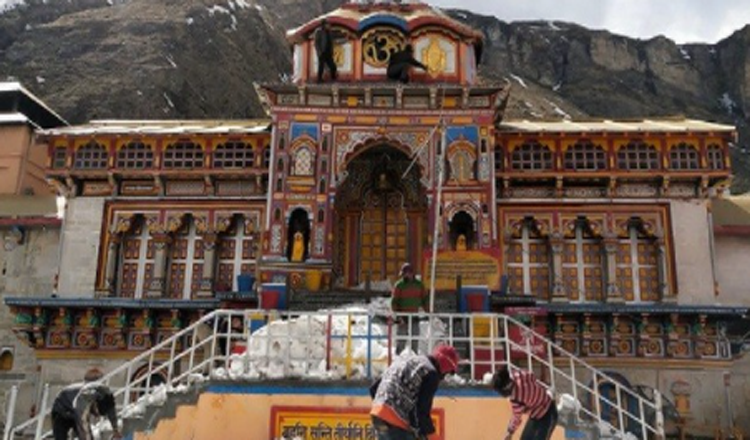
<point>36,164</point>
<point>219,416</point>
<point>22,161</point>
<point>14,141</point>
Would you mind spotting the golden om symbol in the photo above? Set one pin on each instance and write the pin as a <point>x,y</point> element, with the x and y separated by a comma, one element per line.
<point>379,44</point>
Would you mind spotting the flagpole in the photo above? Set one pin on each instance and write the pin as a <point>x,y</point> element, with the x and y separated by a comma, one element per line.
<point>438,222</point>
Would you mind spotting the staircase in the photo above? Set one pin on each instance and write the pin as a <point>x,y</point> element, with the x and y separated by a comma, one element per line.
<point>302,300</point>
<point>199,353</point>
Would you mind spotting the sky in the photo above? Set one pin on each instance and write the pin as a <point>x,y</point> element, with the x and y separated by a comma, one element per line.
<point>684,21</point>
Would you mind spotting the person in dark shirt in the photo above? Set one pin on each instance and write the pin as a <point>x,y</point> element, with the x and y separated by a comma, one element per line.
<point>401,62</point>
<point>402,396</point>
<point>79,404</point>
<point>324,50</point>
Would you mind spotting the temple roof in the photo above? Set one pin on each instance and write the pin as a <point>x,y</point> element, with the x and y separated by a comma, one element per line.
<point>407,16</point>
<point>19,106</point>
<point>167,127</point>
<point>666,125</point>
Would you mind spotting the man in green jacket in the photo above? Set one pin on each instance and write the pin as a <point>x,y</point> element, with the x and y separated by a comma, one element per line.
<point>409,296</point>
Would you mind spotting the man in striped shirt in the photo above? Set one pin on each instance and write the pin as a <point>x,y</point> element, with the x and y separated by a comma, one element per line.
<point>526,396</point>
<point>408,296</point>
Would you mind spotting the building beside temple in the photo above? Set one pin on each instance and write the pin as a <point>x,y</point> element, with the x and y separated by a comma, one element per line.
<point>29,228</point>
<point>605,227</point>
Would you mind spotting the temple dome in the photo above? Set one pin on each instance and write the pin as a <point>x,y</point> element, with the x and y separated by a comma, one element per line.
<point>367,33</point>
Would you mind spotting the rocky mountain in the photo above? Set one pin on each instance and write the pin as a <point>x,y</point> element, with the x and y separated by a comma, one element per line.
<point>93,59</point>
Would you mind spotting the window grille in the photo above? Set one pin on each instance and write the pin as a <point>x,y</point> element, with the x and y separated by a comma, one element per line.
<point>234,155</point>
<point>684,157</point>
<point>183,155</point>
<point>135,155</point>
<point>92,156</point>
<point>531,156</point>
<point>585,156</point>
<point>715,157</point>
<point>638,156</point>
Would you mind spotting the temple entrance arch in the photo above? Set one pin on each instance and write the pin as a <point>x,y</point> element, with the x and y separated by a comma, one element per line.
<point>381,217</point>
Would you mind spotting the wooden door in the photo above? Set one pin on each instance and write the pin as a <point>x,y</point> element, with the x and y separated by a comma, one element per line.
<point>383,239</point>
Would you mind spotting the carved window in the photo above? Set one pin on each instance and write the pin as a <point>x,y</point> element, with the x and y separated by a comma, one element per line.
<point>715,157</point>
<point>234,155</point>
<point>499,160</point>
<point>322,186</point>
<point>684,157</point>
<point>585,156</point>
<point>267,158</point>
<point>186,262</point>
<point>59,158</point>
<point>637,265</point>
<point>91,156</point>
<point>531,156</point>
<point>462,166</point>
<point>136,268</point>
<point>638,156</point>
<point>183,155</point>
<point>236,254</point>
<point>529,263</point>
<point>583,264</point>
<point>135,155</point>
<point>6,359</point>
<point>303,162</point>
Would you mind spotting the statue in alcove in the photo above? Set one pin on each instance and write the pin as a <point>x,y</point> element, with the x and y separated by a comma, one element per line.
<point>462,231</point>
<point>298,247</point>
<point>461,243</point>
<point>298,236</point>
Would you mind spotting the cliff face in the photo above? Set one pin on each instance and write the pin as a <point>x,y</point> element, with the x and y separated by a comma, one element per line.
<point>93,59</point>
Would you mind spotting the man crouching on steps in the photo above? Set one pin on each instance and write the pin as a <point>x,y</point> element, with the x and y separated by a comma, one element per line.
<point>526,396</point>
<point>402,397</point>
<point>78,405</point>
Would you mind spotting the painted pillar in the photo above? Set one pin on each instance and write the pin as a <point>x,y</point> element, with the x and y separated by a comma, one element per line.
<point>158,282</point>
<point>665,293</point>
<point>557,244</point>
<point>613,294</point>
<point>111,269</point>
<point>209,264</point>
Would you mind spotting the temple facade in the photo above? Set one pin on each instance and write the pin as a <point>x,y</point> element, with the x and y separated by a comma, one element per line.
<point>598,232</point>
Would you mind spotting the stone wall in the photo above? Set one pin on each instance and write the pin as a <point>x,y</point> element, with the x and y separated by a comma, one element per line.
<point>732,263</point>
<point>707,392</point>
<point>27,270</point>
<point>80,246</point>
<point>691,240</point>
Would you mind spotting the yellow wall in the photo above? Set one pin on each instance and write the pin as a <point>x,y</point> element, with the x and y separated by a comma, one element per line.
<point>222,416</point>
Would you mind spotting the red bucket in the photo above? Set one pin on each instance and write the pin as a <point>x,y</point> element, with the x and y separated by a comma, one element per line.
<point>269,300</point>
<point>475,302</point>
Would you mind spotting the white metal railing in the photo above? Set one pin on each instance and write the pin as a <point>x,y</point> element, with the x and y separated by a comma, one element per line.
<point>359,344</point>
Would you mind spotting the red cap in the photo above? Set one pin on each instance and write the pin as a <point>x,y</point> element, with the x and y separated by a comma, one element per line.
<point>447,358</point>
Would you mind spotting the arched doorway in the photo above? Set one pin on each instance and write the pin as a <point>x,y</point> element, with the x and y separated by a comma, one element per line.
<point>298,236</point>
<point>462,231</point>
<point>381,216</point>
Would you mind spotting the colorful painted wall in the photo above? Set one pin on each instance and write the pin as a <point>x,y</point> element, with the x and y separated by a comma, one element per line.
<point>264,412</point>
